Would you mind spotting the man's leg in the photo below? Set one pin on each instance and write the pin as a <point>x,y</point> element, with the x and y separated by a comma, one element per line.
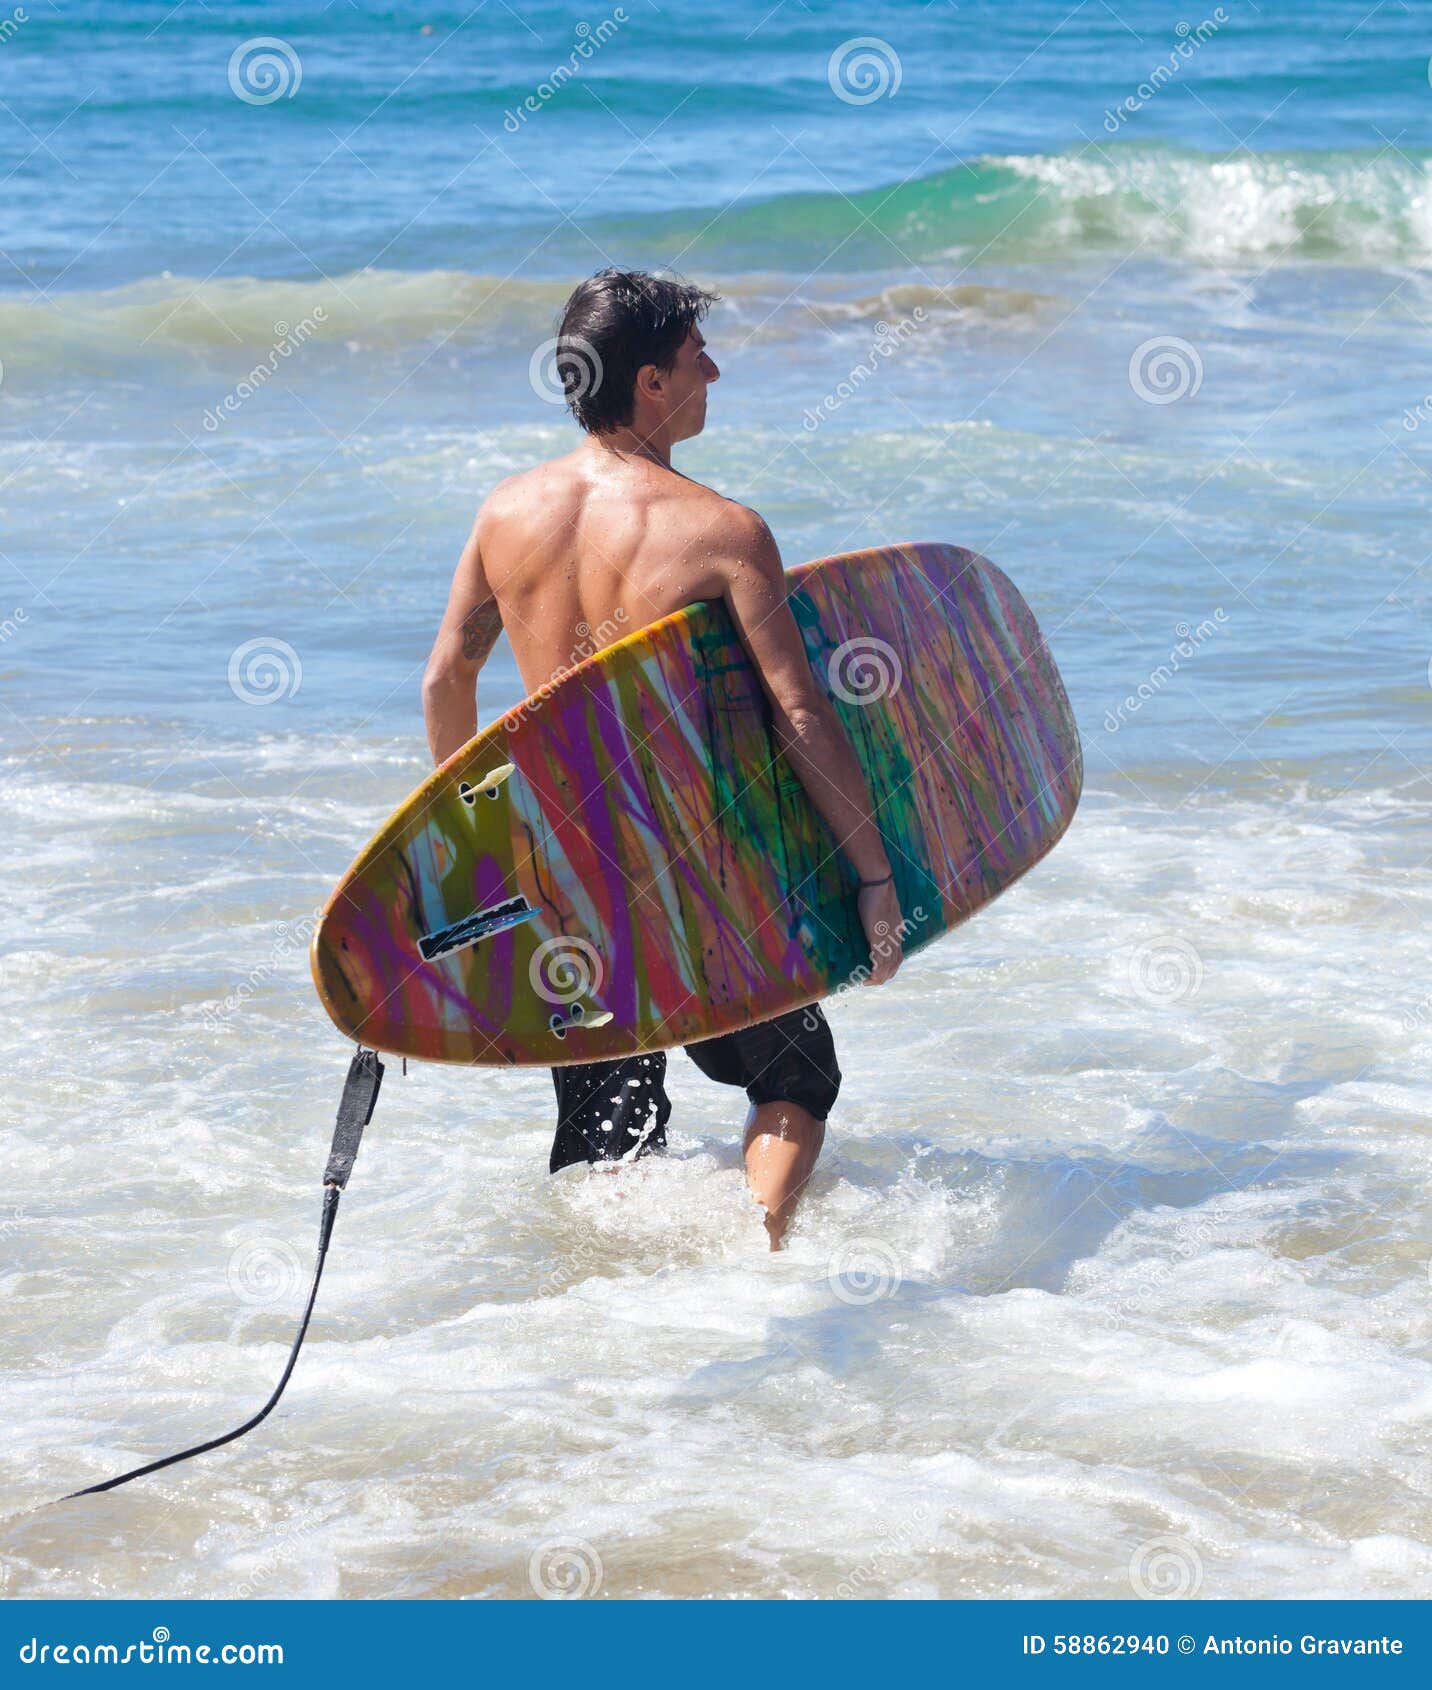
<point>782,1144</point>
<point>609,1110</point>
<point>788,1068</point>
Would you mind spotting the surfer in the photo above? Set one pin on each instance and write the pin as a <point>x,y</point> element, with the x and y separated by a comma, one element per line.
<point>611,534</point>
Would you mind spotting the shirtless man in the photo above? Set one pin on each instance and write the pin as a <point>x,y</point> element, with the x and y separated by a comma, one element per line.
<point>612,533</point>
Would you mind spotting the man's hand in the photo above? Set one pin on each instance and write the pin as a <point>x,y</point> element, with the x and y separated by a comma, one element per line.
<point>884,928</point>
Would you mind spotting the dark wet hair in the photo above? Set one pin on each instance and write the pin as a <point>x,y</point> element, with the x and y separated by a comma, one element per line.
<point>614,323</point>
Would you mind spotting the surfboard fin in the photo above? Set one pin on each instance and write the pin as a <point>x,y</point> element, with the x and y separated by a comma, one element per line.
<point>470,791</point>
<point>577,1015</point>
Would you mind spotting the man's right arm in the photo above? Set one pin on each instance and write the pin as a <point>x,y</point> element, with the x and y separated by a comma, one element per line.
<point>807,727</point>
<point>469,630</point>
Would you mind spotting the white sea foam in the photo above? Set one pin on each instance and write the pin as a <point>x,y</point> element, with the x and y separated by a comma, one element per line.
<point>1140,1270</point>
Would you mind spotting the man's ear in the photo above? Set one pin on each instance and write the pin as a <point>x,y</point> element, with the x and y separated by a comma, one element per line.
<point>650,382</point>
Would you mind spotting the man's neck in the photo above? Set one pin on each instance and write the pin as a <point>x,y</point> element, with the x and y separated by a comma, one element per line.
<point>631,443</point>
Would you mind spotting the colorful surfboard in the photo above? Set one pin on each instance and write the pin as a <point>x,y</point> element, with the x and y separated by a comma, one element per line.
<point>628,862</point>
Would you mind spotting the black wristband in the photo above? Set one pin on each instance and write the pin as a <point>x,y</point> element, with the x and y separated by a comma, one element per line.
<point>864,883</point>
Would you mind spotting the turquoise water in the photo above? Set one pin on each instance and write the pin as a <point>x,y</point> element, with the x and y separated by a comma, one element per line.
<point>1136,1165</point>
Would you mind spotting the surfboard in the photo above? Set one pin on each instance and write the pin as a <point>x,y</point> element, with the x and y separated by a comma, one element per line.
<point>627,861</point>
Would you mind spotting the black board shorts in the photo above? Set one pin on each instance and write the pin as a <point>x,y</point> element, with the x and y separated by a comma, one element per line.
<point>607,1110</point>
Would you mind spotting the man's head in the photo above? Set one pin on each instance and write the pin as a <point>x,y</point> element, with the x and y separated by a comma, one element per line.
<point>631,355</point>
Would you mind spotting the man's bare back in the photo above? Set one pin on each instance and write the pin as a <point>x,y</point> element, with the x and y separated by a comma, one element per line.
<point>601,538</point>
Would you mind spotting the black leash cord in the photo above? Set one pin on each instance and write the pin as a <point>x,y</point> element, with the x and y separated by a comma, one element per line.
<point>360,1094</point>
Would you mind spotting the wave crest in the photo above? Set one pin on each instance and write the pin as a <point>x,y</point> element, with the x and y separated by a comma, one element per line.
<point>246,314</point>
<point>1044,208</point>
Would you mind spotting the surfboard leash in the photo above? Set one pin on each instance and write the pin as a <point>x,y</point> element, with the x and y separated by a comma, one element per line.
<point>355,1110</point>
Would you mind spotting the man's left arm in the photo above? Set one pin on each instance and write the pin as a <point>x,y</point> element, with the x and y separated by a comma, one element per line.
<point>469,630</point>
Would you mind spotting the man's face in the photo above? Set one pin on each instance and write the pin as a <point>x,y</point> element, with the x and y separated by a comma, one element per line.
<point>690,376</point>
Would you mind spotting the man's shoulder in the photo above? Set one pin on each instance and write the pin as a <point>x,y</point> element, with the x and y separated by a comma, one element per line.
<point>741,540</point>
<point>727,522</point>
<point>527,491</point>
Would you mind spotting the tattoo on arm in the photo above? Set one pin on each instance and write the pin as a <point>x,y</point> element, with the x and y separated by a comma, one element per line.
<point>480,628</point>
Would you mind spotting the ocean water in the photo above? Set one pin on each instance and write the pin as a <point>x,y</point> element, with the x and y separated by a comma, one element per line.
<point>1115,1276</point>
